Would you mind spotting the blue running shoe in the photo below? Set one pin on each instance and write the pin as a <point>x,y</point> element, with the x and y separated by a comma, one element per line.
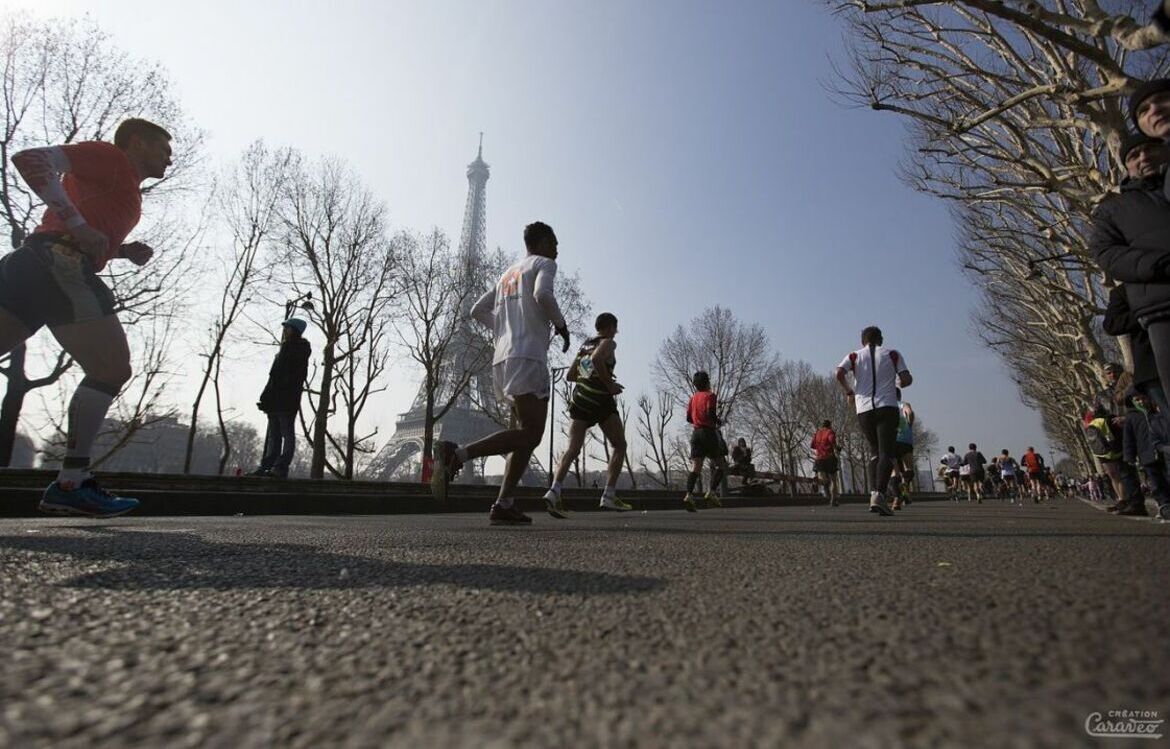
<point>89,500</point>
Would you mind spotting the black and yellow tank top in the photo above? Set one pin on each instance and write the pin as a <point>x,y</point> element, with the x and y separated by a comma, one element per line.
<point>586,373</point>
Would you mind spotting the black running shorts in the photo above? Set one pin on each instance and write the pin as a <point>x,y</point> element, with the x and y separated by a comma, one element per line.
<point>826,465</point>
<point>48,282</point>
<point>705,443</point>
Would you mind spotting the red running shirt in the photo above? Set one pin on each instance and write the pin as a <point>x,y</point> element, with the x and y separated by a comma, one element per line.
<point>824,443</point>
<point>1032,462</point>
<point>701,410</point>
<point>104,186</point>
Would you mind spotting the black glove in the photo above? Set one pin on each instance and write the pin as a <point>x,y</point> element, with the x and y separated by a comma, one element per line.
<point>564,334</point>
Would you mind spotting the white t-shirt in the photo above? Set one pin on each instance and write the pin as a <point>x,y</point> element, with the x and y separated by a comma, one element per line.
<point>952,461</point>
<point>880,392</point>
<point>520,309</point>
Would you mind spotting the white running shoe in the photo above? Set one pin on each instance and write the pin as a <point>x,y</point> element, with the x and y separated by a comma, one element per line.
<point>877,503</point>
<point>554,505</point>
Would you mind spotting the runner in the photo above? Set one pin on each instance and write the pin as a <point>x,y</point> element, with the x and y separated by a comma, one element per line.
<point>904,452</point>
<point>705,442</point>
<point>976,474</point>
<point>877,372</point>
<point>952,462</point>
<point>1008,470</point>
<point>519,310</point>
<point>594,401</point>
<point>93,200</point>
<point>1034,464</point>
<point>825,463</point>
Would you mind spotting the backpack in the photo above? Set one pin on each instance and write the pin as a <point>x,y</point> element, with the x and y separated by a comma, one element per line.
<point>1101,439</point>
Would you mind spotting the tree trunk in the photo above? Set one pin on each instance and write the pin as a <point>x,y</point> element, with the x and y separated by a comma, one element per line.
<point>226,453</point>
<point>428,446</point>
<point>13,403</point>
<point>321,426</point>
<point>191,430</point>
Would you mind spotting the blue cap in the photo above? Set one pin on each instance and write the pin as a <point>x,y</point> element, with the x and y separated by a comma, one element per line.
<point>296,324</point>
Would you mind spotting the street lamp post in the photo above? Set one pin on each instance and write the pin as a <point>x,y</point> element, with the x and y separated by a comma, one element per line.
<point>304,301</point>
<point>555,374</point>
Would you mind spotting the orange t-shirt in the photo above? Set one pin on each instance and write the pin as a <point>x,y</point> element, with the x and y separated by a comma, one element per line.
<point>104,187</point>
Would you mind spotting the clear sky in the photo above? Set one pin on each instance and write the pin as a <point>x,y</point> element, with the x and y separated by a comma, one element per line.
<point>687,153</point>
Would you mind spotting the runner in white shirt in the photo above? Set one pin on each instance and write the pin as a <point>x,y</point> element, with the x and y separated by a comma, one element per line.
<point>520,309</point>
<point>877,372</point>
<point>952,462</point>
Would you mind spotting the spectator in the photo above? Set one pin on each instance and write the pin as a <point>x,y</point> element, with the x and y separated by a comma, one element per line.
<point>1141,434</point>
<point>1130,239</point>
<point>741,461</point>
<point>281,399</point>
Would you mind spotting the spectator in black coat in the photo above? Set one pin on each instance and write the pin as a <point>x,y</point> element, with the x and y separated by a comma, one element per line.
<point>1142,435</point>
<point>1130,238</point>
<point>281,399</point>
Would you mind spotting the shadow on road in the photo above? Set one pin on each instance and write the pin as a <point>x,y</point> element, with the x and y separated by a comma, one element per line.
<point>169,561</point>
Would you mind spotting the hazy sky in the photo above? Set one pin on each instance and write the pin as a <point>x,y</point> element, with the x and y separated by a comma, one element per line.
<point>687,153</point>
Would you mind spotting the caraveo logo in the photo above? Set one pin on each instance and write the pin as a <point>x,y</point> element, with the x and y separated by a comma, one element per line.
<point>1124,724</point>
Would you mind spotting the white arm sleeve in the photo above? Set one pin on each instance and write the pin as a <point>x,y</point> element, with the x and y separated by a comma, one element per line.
<point>545,295</point>
<point>482,312</point>
<point>42,169</point>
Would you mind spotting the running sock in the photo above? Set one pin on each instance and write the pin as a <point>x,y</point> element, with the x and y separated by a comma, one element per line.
<point>716,479</point>
<point>609,492</point>
<point>461,454</point>
<point>87,409</point>
<point>504,502</point>
<point>556,487</point>
<point>691,479</point>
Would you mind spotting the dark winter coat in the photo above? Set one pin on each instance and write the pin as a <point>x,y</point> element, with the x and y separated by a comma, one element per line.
<point>1141,437</point>
<point>1120,320</point>
<point>286,379</point>
<point>1130,239</point>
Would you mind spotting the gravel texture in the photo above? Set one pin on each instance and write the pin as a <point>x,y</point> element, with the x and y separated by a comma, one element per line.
<point>948,625</point>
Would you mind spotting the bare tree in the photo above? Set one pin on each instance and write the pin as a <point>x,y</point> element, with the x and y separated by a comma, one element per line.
<point>63,81</point>
<point>1016,116</point>
<point>654,418</point>
<point>334,236</point>
<point>247,201</point>
<point>773,412</point>
<point>436,288</point>
<point>737,355</point>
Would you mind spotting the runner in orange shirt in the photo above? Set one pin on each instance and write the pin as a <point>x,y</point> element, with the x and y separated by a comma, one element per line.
<point>93,200</point>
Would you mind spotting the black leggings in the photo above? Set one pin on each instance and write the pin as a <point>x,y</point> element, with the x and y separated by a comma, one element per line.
<point>880,427</point>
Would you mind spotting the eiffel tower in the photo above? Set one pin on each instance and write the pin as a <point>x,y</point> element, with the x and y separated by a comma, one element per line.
<point>467,420</point>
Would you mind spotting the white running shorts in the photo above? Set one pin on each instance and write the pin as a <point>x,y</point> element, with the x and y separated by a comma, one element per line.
<point>513,377</point>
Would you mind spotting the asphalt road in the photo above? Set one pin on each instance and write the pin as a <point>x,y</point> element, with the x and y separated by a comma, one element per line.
<point>949,625</point>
